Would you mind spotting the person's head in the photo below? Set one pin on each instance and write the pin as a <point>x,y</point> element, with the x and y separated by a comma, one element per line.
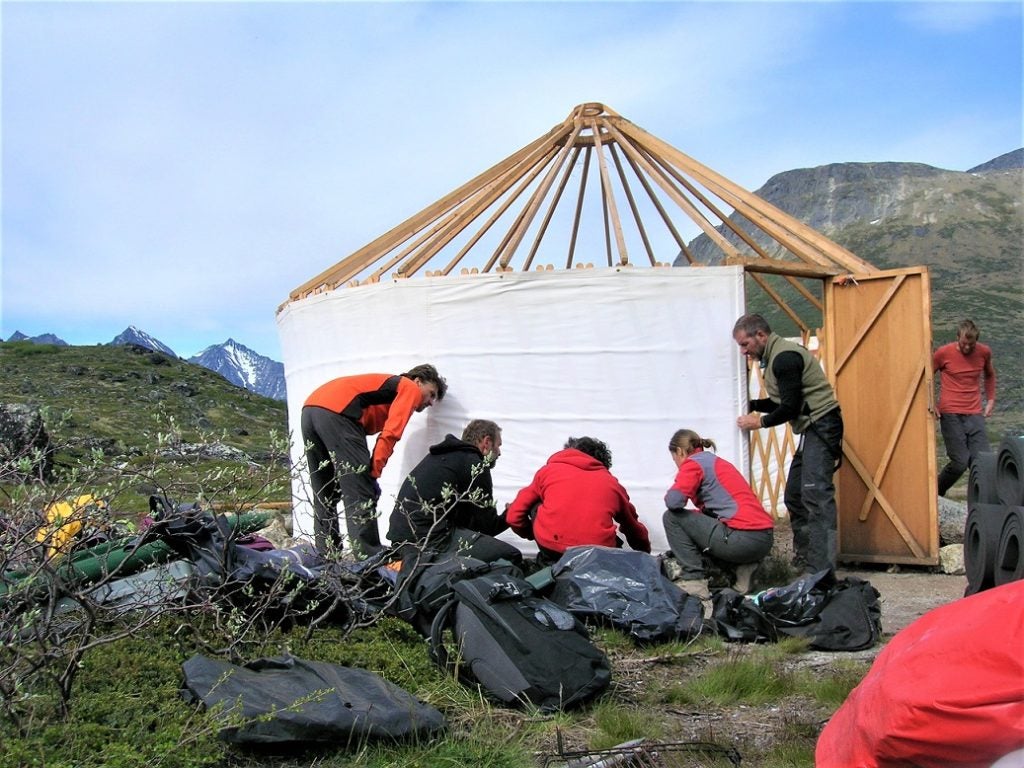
<point>751,334</point>
<point>593,447</point>
<point>967,334</point>
<point>486,436</point>
<point>431,383</point>
<point>685,442</point>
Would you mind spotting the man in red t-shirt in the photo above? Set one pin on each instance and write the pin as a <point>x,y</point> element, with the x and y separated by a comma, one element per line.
<point>961,365</point>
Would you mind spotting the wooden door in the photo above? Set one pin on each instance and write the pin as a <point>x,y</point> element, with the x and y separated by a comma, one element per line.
<point>878,330</point>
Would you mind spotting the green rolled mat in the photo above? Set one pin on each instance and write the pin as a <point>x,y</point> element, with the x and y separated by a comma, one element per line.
<point>123,558</point>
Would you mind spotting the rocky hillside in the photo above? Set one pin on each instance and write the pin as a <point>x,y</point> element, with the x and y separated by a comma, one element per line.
<point>117,399</point>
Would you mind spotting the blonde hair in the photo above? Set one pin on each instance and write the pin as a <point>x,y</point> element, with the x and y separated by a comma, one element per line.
<point>687,441</point>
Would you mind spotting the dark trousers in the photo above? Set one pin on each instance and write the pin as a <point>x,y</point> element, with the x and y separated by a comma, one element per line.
<point>693,535</point>
<point>470,543</point>
<point>965,437</point>
<point>810,495</point>
<point>339,471</point>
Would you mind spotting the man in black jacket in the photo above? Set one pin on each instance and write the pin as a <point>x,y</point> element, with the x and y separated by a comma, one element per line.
<point>446,504</point>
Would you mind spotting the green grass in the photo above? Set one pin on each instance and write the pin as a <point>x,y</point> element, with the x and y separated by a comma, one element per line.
<point>118,408</point>
<point>736,679</point>
<point>617,724</point>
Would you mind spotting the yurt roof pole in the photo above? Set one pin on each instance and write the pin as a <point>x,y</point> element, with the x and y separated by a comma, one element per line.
<point>358,261</point>
<point>632,204</point>
<point>528,213</point>
<point>525,173</point>
<point>442,224</point>
<point>503,244</point>
<point>485,228</point>
<point>579,209</point>
<point>777,298</point>
<point>556,198</point>
<point>707,203</point>
<point>659,176</point>
<point>729,191</point>
<point>737,201</point>
<point>611,210</point>
<point>652,195</point>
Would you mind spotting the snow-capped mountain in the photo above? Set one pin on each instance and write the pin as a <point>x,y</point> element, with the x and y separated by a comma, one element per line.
<point>244,367</point>
<point>132,335</point>
<point>43,338</point>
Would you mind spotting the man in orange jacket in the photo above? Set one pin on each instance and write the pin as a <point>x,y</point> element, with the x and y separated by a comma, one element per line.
<point>336,420</point>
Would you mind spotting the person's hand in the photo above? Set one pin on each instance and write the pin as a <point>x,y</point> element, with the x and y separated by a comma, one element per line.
<point>376,489</point>
<point>749,421</point>
<point>989,407</point>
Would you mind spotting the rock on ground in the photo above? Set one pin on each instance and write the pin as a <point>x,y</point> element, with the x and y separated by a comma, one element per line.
<point>952,521</point>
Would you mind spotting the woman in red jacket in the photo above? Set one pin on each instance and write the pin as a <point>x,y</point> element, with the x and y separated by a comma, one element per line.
<point>575,501</point>
<point>728,524</point>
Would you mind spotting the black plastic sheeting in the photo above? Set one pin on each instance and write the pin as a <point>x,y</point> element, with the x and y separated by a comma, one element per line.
<point>288,700</point>
<point>627,590</point>
<point>834,614</point>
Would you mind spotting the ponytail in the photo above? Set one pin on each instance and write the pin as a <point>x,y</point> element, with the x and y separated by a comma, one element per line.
<point>687,441</point>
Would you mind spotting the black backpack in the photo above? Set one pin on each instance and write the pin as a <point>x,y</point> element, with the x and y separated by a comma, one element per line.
<point>522,648</point>
<point>424,584</point>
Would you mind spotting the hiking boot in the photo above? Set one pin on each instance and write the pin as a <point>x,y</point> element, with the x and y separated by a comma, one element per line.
<point>744,577</point>
<point>696,587</point>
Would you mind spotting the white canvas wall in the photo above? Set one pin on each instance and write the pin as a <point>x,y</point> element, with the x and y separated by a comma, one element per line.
<point>626,355</point>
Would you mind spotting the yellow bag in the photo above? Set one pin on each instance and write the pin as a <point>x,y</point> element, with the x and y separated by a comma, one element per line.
<point>65,520</point>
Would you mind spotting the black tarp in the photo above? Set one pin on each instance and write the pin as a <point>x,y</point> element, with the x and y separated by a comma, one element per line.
<point>627,590</point>
<point>288,700</point>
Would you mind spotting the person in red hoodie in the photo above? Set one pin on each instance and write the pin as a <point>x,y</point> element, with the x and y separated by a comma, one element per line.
<point>336,419</point>
<point>726,522</point>
<point>961,365</point>
<point>575,501</point>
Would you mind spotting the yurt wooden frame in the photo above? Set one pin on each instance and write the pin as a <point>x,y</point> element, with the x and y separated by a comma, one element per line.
<point>647,188</point>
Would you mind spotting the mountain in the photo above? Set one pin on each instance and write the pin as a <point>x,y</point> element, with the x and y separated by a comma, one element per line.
<point>1005,162</point>
<point>132,335</point>
<point>45,338</point>
<point>967,227</point>
<point>244,367</point>
<point>235,362</point>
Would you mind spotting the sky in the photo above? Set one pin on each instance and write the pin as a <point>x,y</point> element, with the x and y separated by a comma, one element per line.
<point>182,166</point>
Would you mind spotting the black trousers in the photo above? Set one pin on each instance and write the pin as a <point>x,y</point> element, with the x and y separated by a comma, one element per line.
<point>339,471</point>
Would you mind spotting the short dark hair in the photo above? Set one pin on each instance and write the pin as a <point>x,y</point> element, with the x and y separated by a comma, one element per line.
<point>478,429</point>
<point>751,324</point>
<point>427,372</point>
<point>968,329</point>
<point>593,447</point>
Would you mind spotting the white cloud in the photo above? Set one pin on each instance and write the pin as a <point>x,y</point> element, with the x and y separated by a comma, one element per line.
<point>949,17</point>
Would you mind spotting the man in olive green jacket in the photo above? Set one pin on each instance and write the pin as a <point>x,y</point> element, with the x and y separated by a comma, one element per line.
<point>799,393</point>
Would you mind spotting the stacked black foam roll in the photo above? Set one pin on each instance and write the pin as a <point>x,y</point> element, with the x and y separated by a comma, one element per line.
<point>995,517</point>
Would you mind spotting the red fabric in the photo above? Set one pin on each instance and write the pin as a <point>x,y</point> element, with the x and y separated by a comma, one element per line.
<point>720,489</point>
<point>390,419</point>
<point>580,504</point>
<point>960,378</point>
<point>946,692</point>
